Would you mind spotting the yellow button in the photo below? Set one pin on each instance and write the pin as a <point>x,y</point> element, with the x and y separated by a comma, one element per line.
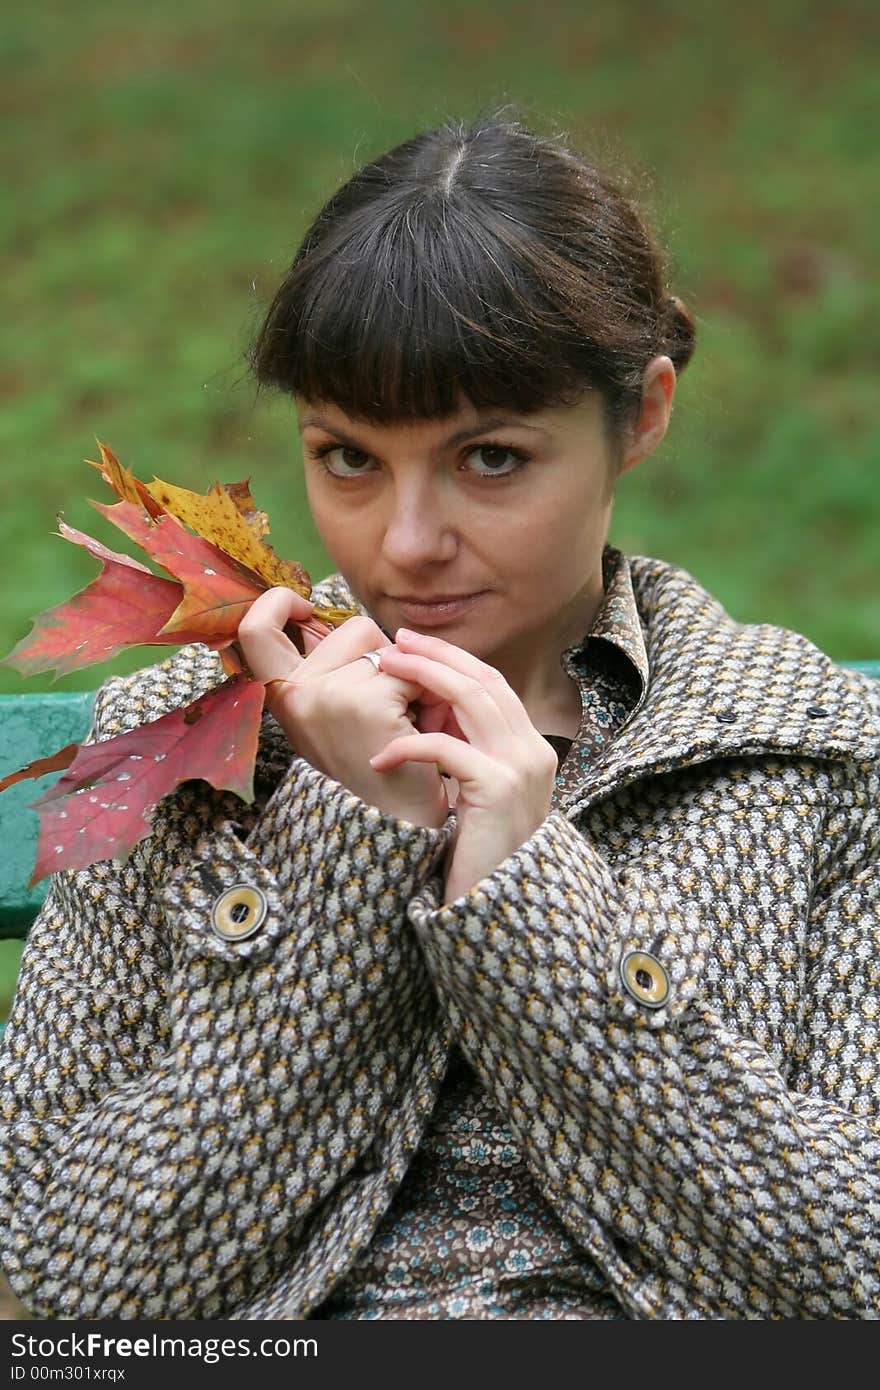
<point>645,979</point>
<point>239,912</point>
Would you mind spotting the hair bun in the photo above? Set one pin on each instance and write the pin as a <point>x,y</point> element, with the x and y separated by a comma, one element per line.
<point>680,332</point>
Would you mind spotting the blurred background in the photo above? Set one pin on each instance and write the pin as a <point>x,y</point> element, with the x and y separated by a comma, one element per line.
<point>161,162</point>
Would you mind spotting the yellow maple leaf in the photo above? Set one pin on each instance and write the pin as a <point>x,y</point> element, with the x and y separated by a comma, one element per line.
<point>123,482</point>
<point>215,516</point>
<point>241,496</point>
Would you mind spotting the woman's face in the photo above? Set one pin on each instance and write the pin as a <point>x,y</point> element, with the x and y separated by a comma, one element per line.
<point>507,514</point>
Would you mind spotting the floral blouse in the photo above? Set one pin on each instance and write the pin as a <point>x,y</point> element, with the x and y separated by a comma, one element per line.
<point>469,1234</point>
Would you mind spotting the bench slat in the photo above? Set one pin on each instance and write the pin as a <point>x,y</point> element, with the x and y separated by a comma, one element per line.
<point>33,726</point>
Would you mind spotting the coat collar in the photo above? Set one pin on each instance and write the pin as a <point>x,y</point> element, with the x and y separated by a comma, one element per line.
<point>718,688</point>
<point>767,684</point>
<point>617,623</point>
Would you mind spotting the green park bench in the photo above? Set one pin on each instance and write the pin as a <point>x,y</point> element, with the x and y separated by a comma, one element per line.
<point>33,726</point>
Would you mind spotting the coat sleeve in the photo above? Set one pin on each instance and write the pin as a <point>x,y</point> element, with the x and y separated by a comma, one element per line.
<point>704,1181</point>
<point>175,1107</point>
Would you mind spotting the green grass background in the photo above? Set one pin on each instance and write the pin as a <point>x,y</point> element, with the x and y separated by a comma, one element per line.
<point>161,161</point>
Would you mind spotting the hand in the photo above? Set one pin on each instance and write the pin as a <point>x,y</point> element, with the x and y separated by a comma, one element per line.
<point>504,766</point>
<point>336,709</point>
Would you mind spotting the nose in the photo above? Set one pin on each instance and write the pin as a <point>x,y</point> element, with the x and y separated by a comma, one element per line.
<point>418,527</point>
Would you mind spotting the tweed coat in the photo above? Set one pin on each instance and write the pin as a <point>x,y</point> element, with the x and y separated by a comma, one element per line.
<point>199,1128</point>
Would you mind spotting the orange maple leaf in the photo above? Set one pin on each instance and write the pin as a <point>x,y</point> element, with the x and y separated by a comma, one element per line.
<point>213,547</point>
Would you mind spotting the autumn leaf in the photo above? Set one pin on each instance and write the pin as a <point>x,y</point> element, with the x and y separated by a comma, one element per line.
<point>241,495</point>
<point>212,546</point>
<point>215,516</point>
<point>216,591</point>
<point>99,808</point>
<point>127,605</point>
<point>225,516</point>
<point>97,548</point>
<point>123,482</point>
<point>232,662</point>
<point>40,766</point>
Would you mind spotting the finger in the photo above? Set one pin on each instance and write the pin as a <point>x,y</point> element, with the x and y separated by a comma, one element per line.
<point>275,604</point>
<point>378,685</point>
<point>480,716</point>
<point>458,659</point>
<point>461,760</point>
<point>436,718</point>
<point>357,673</point>
<point>268,650</point>
<point>312,626</point>
<point>311,641</point>
<point>346,643</point>
<point>271,654</point>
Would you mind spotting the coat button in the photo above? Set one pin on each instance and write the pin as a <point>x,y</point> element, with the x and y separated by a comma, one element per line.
<point>726,716</point>
<point>645,979</point>
<point>239,912</point>
<point>816,712</point>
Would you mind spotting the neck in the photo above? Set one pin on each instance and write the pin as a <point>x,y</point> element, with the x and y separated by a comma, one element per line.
<point>551,698</point>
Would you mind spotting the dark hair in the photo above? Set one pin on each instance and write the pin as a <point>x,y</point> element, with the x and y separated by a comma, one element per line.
<point>479,260</point>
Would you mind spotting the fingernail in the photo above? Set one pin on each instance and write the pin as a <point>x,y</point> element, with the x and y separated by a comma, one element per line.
<point>407,634</point>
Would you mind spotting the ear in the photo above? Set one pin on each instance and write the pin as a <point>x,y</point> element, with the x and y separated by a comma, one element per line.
<point>658,389</point>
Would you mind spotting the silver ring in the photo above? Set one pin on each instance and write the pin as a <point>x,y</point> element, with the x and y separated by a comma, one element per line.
<point>373,657</point>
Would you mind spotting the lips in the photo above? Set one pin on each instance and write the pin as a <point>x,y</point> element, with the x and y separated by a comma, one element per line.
<point>437,610</point>
<point>431,598</point>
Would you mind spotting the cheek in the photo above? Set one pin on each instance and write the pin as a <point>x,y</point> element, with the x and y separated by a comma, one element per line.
<point>330,529</point>
<point>559,553</point>
<point>558,534</point>
<point>346,539</point>
<point>328,518</point>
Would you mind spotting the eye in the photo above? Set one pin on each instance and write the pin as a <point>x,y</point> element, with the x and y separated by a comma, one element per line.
<point>352,463</point>
<point>499,460</point>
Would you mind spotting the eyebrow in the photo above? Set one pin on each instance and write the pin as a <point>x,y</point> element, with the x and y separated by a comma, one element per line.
<point>492,422</point>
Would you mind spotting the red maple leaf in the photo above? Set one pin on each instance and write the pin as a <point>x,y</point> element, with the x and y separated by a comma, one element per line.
<point>100,807</point>
<point>215,591</point>
<point>125,606</point>
<point>41,766</point>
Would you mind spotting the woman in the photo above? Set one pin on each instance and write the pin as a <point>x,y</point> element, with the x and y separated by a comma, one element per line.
<point>558,1003</point>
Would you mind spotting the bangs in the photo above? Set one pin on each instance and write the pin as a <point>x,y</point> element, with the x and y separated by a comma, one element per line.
<point>403,315</point>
